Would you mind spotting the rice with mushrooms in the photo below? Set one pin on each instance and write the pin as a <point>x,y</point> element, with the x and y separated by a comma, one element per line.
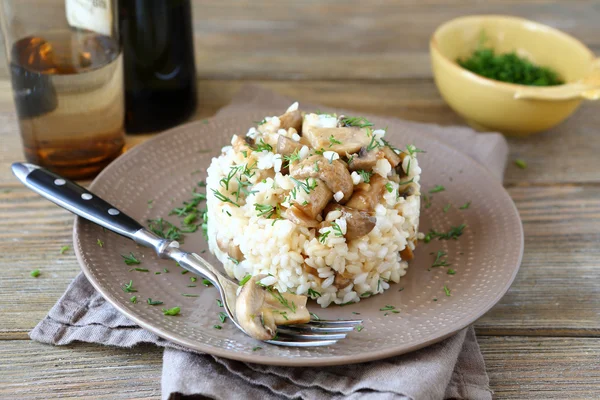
<point>273,209</point>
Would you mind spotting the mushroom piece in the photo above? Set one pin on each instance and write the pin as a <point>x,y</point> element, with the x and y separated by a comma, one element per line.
<point>367,197</point>
<point>295,215</point>
<point>390,155</point>
<point>291,119</point>
<point>231,249</point>
<point>259,310</point>
<point>287,146</point>
<point>333,173</point>
<point>358,223</point>
<point>318,199</point>
<point>407,254</point>
<point>240,144</point>
<point>341,140</point>
<point>363,160</point>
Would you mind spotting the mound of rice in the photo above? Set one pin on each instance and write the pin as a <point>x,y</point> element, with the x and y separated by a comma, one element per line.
<point>249,191</point>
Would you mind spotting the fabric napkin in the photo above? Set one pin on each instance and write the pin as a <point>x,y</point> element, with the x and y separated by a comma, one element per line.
<point>453,368</point>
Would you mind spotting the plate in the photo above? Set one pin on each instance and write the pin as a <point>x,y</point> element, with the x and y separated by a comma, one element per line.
<point>154,177</point>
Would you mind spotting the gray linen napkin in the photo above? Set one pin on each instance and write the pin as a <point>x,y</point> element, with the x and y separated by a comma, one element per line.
<point>453,368</point>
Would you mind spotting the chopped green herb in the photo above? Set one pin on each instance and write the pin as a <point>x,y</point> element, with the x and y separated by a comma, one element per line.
<point>154,302</point>
<point>193,278</point>
<point>165,270</point>
<point>359,328</point>
<point>447,207</point>
<point>189,295</point>
<point>439,262</point>
<point>64,249</point>
<point>336,229</point>
<point>265,210</point>
<point>128,287</point>
<point>360,122</point>
<point>139,269</point>
<point>406,182</point>
<point>171,311</point>
<point>508,67</point>
<point>465,206</point>
<point>389,187</point>
<point>408,166</point>
<point>206,282</point>
<point>387,308</point>
<point>185,271</point>
<point>264,121</point>
<point>401,289</point>
<point>222,317</point>
<point>313,293</point>
<point>256,348</point>
<point>224,198</point>
<point>191,285</point>
<point>35,273</point>
<point>412,150</point>
<point>164,229</point>
<point>99,242</point>
<point>245,279</point>
<point>446,290</point>
<point>451,271</point>
<point>366,175</point>
<point>233,260</point>
<point>374,143</point>
<point>435,299</point>
<point>437,189</point>
<point>314,316</point>
<point>307,185</point>
<point>291,158</point>
<point>262,146</point>
<point>355,313</point>
<point>284,302</point>
<point>245,153</point>
<point>366,294</point>
<point>426,200</point>
<point>219,303</point>
<point>323,236</point>
<point>333,141</point>
<point>520,163</point>
<point>133,299</point>
<point>454,233</point>
<point>189,219</point>
<point>217,327</point>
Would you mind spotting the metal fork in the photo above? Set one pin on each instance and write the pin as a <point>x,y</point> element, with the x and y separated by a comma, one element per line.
<point>84,203</point>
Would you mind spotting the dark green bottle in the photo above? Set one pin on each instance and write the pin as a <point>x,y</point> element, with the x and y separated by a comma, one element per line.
<point>158,55</point>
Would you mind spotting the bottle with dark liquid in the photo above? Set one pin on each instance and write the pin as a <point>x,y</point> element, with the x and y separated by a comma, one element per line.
<point>158,52</point>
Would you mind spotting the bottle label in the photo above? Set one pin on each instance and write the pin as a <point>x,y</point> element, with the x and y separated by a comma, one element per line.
<point>94,15</point>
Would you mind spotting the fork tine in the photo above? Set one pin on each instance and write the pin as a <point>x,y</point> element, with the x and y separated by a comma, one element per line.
<point>291,333</point>
<point>328,322</point>
<point>301,343</point>
<point>324,329</point>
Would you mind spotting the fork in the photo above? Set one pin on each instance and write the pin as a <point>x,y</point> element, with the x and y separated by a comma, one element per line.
<point>86,204</point>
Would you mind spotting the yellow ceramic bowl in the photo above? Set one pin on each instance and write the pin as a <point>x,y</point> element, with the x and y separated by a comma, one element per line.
<point>515,110</point>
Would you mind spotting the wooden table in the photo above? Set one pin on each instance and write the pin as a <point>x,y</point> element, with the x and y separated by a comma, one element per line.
<point>541,341</point>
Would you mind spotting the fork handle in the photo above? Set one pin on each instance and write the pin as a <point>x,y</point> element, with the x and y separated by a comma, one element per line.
<point>76,199</point>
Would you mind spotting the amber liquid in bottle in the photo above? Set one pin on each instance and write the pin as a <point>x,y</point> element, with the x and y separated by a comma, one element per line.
<point>158,51</point>
<point>68,90</point>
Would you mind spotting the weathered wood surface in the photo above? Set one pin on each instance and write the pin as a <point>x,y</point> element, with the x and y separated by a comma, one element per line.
<point>519,367</point>
<point>540,342</point>
<point>333,39</point>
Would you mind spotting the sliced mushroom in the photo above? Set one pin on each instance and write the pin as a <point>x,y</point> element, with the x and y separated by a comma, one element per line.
<point>295,215</point>
<point>318,199</point>
<point>358,223</point>
<point>367,198</point>
<point>231,249</point>
<point>350,139</point>
<point>259,311</point>
<point>287,146</point>
<point>363,160</point>
<point>291,119</point>
<point>407,254</point>
<point>333,173</point>
<point>240,144</point>
<point>340,281</point>
<point>390,155</point>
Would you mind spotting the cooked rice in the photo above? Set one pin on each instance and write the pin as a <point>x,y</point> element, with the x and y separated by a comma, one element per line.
<point>292,255</point>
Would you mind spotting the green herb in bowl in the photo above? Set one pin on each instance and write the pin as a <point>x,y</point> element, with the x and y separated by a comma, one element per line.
<point>509,67</point>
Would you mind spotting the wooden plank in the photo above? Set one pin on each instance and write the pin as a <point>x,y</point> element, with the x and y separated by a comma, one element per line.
<point>567,153</point>
<point>334,39</point>
<point>555,293</point>
<point>519,367</point>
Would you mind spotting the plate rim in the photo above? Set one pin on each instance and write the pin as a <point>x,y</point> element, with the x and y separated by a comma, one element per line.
<point>300,361</point>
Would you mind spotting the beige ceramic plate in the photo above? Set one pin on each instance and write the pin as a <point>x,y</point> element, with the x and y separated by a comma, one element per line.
<point>163,171</point>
